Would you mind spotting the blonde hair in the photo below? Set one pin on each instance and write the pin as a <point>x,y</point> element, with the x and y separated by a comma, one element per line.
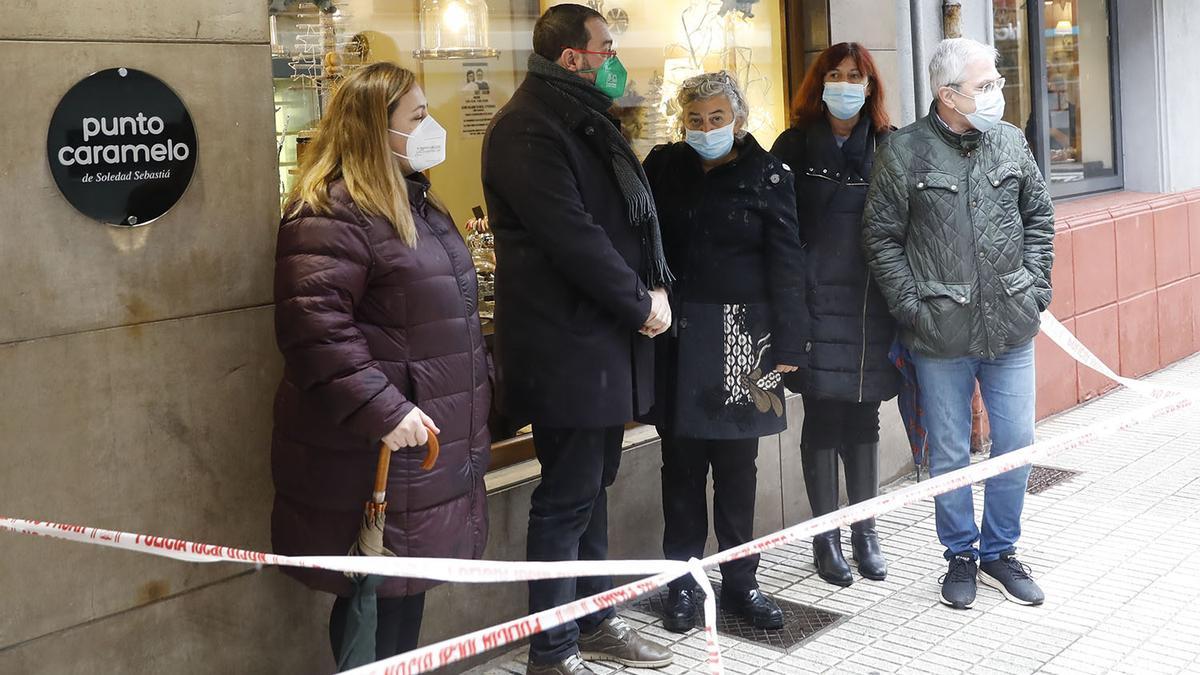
<point>352,144</point>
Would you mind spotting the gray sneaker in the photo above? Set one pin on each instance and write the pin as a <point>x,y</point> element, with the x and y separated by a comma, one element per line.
<point>617,641</point>
<point>1011,577</point>
<point>572,665</point>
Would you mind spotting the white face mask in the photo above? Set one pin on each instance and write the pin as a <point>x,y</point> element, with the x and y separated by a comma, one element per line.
<point>426,145</point>
<point>989,109</point>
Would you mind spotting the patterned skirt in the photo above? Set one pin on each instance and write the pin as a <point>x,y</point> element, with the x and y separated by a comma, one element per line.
<point>720,375</point>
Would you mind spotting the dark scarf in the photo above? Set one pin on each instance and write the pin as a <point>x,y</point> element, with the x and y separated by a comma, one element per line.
<point>635,187</point>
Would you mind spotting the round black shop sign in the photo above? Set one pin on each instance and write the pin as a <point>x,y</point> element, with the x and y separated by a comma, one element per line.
<point>122,147</point>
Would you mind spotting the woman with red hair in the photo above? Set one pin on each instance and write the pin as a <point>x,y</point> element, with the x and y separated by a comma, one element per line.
<point>839,119</point>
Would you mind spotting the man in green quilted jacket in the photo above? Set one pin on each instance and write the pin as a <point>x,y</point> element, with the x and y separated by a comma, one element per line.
<point>959,234</point>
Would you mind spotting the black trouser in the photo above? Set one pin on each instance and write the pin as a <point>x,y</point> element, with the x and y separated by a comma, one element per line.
<point>685,502</point>
<point>837,424</point>
<point>846,429</point>
<point>399,624</point>
<point>568,520</point>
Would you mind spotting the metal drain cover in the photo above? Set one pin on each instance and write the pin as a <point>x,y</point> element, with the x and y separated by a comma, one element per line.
<point>1042,478</point>
<point>1045,477</point>
<point>800,622</point>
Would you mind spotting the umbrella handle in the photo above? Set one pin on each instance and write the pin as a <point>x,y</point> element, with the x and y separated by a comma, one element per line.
<point>381,474</point>
<point>434,449</point>
<point>385,461</point>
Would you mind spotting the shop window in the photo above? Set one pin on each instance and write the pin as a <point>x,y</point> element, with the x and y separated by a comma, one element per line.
<point>467,76</point>
<point>1058,59</point>
<point>1011,35</point>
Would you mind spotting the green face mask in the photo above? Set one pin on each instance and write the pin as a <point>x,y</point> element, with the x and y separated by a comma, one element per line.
<point>611,76</point>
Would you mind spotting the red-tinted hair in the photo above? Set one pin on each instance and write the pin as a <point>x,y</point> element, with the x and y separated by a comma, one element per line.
<point>808,107</point>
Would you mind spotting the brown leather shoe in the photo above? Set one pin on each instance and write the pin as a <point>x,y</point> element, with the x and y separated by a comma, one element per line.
<point>617,641</point>
<point>572,665</point>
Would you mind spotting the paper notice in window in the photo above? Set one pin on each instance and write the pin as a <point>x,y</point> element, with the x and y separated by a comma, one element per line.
<point>478,101</point>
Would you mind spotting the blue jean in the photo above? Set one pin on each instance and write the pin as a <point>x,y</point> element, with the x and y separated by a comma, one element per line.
<point>1008,388</point>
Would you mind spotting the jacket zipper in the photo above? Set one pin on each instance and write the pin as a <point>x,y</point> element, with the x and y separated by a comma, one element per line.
<point>862,362</point>
<point>462,291</point>
<point>968,197</point>
<point>474,384</point>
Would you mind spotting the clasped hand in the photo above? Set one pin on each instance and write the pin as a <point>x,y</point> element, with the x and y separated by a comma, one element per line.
<point>659,320</point>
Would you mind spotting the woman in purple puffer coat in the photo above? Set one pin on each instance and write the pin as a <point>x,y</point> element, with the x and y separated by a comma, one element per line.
<point>376,317</point>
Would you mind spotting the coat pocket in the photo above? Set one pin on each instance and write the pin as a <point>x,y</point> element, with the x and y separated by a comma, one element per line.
<point>1005,183</point>
<point>934,196</point>
<point>944,318</point>
<point>1018,285</point>
<point>1016,280</point>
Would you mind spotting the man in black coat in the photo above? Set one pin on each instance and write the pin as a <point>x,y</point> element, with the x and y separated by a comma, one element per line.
<point>579,293</point>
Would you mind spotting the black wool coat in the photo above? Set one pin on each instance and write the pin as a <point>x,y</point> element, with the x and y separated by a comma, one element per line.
<point>569,268</point>
<point>852,329</point>
<point>731,239</point>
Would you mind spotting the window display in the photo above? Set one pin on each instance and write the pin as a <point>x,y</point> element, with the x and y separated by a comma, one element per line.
<point>1065,101</point>
<point>664,42</point>
<point>1010,30</point>
<point>471,55</point>
<point>1076,43</point>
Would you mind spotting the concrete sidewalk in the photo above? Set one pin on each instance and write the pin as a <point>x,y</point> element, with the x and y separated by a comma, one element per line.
<point>1115,548</point>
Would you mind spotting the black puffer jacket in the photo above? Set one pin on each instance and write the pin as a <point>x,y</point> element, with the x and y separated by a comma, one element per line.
<point>851,327</point>
<point>730,237</point>
<point>959,234</point>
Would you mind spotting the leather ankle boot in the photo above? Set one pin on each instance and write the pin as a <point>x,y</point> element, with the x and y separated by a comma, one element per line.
<point>864,542</point>
<point>827,556</point>
<point>821,482</point>
<point>862,483</point>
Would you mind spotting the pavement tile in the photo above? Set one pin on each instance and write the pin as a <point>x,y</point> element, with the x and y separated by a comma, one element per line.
<point>786,667</point>
<point>745,654</point>
<point>947,662</point>
<point>823,657</point>
<point>836,644</point>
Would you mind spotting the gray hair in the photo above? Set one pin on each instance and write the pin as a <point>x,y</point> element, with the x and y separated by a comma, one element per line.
<point>710,85</point>
<point>951,58</point>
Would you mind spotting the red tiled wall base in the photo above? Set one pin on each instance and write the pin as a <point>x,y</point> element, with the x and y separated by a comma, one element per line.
<point>1127,283</point>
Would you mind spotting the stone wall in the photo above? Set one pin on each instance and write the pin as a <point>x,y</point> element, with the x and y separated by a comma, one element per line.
<point>137,366</point>
<point>1127,283</point>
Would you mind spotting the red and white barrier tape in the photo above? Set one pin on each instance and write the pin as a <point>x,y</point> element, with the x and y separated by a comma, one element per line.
<point>440,569</point>
<point>450,651</point>
<point>1073,347</point>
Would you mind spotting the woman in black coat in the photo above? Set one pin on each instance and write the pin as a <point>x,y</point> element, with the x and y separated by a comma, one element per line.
<point>839,119</point>
<point>728,217</point>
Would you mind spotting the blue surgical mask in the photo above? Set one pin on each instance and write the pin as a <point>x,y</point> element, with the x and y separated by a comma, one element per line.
<point>714,144</point>
<point>844,99</point>
<point>989,110</point>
